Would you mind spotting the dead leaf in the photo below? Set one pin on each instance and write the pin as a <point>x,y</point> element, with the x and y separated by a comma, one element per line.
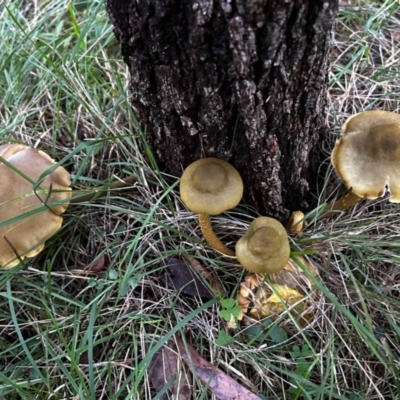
<point>185,279</point>
<point>163,367</point>
<point>292,275</point>
<point>257,298</point>
<point>220,384</point>
<point>209,276</point>
<point>95,267</point>
<point>97,352</point>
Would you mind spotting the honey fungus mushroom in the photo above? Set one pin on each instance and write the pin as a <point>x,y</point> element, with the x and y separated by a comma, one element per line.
<point>211,186</point>
<point>367,157</point>
<point>31,199</point>
<point>265,246</point>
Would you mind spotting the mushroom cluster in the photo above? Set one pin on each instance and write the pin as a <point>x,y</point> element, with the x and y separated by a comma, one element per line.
<point>32,197</point>
<point>211,186</point>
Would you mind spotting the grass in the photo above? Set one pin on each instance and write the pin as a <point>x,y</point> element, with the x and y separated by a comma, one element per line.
<point>84,318</point>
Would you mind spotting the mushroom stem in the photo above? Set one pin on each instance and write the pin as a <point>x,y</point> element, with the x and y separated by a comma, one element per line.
<point>346,201</point>
<point>211,237</point>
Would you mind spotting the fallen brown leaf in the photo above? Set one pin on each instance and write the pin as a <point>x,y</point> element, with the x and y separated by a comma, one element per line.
<point>292,275</point>
<point>258,299</point>
<point>97,352</point>
<point>209,276</point>
<point>220,384</point>
<point>163,366</point>
<point>95,267</point>
<point>185,279</point>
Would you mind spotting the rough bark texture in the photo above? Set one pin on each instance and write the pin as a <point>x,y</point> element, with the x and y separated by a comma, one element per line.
<point>242,80</point>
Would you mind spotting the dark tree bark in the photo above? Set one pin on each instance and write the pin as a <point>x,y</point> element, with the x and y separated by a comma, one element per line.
<point>242,80</point>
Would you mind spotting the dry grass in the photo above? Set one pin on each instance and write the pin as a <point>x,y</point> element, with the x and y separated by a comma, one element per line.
<point>83,319</point>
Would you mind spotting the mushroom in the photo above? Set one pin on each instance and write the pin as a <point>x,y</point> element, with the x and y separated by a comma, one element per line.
<point>32,197</point>
<point>296,222</point>
<point>367,157</point>
<point>265,246</point>
<point>211,186</point>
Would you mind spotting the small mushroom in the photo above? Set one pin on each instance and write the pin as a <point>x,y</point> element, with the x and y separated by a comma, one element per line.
<point>367,158</point>
<point>296,222</point>
<point>209,187</point>
<point>31,200</point>
<point>265,246</point>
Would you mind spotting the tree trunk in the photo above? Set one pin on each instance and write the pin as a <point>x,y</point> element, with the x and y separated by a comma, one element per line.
<point>241,80</point>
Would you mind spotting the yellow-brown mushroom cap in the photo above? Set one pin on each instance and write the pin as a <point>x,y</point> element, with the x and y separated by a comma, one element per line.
<point>367,158</point>
<point>20,195</point>
<point>211,186</point>
<point>366,120</point>
<point>265,246</point>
